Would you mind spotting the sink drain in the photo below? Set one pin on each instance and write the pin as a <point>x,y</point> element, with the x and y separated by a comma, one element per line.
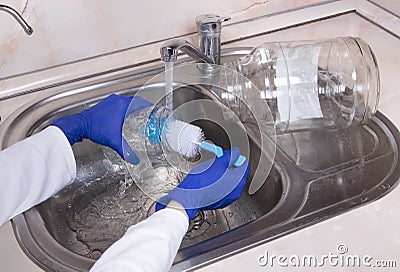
<point>197,221</point>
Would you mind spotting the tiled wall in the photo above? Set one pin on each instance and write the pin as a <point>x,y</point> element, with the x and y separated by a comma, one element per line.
<point>69,30</point>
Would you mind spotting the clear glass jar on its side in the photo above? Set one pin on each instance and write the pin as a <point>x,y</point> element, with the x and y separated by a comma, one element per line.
<point>308,85</point>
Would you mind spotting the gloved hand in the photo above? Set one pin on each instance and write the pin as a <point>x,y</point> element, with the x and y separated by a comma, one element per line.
<point>211,185</point>
<point>102,124</point>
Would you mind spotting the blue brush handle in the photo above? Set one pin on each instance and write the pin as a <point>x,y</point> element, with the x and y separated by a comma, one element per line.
<point>219,152</point>
<point>212,148</point>
<point>239,161</point>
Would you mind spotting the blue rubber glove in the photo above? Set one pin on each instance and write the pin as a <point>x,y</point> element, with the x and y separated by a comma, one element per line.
<point>210,185</point>
<point>102,124</point>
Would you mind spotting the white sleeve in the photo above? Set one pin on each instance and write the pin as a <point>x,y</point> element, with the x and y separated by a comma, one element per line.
<point>33,170</point>
<point>150,245</point>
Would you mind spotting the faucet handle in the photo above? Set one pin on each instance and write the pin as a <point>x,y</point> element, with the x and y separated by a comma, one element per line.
<point>210,23</point>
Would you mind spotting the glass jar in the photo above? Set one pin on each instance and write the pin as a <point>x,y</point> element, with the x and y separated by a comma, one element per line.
<point>322,84</point>
<point>159,169</point>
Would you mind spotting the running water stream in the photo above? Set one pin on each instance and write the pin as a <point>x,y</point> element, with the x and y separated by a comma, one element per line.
<point>169,78</point>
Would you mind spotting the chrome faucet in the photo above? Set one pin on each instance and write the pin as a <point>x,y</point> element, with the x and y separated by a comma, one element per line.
<point>209,28</point>
<point>28,29</point>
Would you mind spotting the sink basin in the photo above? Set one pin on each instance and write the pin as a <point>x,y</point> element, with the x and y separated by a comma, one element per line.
<point>315,176</point>
<point>95,211</point>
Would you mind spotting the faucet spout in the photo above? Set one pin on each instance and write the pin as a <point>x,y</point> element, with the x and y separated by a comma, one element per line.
<point>170,49</point>
<point>27,28</point>
<point>209,29</point>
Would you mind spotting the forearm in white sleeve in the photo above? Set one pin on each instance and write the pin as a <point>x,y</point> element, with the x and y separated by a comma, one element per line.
<point>33,170</point>
<point>150,245</point>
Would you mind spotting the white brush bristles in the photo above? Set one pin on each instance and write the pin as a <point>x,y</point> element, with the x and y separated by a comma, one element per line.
<point>184,138</point>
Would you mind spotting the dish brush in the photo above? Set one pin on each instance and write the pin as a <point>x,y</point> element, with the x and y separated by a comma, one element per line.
<point>187,139</point>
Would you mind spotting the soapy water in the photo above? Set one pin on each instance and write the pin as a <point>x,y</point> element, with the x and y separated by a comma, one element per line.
<point>100,212</point>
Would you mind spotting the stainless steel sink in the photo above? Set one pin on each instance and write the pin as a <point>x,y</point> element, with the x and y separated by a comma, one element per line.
<point>315,176</point>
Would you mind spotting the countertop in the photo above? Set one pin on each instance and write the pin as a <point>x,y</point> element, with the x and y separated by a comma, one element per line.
<point>371,231</point>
